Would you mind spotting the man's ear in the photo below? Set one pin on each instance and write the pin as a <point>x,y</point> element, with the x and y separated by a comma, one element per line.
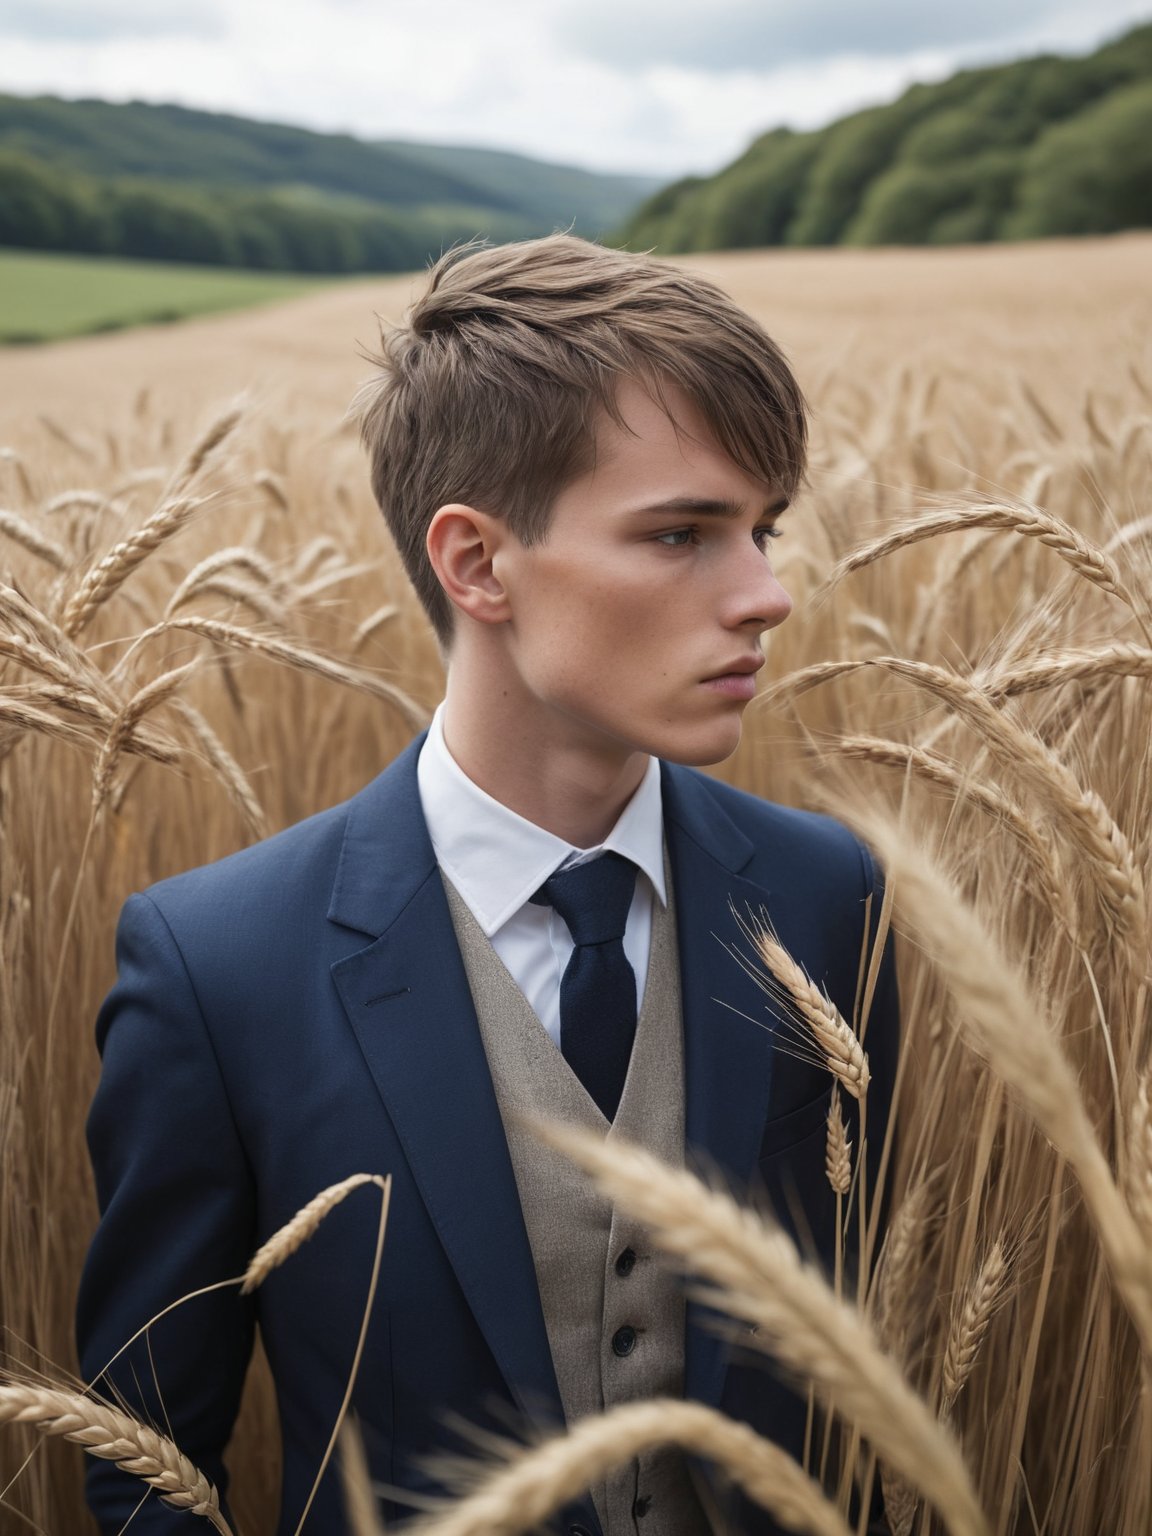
<point>462,543</point>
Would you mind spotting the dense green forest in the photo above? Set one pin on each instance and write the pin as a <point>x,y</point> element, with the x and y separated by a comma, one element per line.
<point>1043,146</point>
<point>168,183</point>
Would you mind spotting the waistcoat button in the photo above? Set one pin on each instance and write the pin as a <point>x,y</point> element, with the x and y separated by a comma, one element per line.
<point>624,1340</point>
<point>625,1263</point>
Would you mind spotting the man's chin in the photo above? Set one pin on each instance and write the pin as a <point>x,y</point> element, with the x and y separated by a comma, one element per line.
<point>701,750</point>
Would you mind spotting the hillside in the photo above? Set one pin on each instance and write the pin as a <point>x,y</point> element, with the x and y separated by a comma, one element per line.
<point>1043,146</point>
<point>171,183</point>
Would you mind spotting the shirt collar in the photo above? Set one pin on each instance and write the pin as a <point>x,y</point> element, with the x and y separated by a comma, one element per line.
<point>498,859</point>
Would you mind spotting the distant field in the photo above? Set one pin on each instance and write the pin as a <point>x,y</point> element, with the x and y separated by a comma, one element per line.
<point>45,297</point>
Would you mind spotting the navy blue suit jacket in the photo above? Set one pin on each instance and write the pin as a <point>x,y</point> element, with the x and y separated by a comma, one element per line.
<point>299,1012</point>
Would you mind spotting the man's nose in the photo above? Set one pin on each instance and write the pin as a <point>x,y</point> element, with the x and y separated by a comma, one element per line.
<point>755,596</point>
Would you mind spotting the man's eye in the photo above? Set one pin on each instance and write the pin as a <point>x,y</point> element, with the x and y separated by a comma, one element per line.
<point>762,535</point>
<point>677,538</point>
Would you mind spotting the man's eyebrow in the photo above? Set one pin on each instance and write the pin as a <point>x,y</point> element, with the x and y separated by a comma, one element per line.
<point>707,506</point>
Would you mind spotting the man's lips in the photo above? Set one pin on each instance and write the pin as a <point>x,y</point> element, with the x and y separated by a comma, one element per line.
<point>738,679</point>
<point>745,666</point>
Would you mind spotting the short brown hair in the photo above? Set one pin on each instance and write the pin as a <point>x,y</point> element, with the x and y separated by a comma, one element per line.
<point>489,392</point>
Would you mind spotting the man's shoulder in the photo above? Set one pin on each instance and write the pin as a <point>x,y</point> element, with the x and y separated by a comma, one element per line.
<point>293,867</point>
<point>291,875</point>
<point>780,834</point>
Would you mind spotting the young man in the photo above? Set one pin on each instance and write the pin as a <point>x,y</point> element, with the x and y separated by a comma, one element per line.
<point>583,457</point>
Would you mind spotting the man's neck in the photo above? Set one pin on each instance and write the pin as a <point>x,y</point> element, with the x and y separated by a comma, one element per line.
<point>548,771</point>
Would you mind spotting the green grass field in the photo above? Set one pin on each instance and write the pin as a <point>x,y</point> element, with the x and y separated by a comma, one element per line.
<point>44,297</point>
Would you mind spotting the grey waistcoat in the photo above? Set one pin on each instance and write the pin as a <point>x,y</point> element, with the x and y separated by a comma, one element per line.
<point>615,1324</point>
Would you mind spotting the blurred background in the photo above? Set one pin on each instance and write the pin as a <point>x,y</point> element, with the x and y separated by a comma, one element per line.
<point>304,139</point>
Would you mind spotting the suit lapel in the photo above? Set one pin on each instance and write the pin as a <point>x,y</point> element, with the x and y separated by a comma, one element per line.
<point>407,998</point>
<point>727,1047</point>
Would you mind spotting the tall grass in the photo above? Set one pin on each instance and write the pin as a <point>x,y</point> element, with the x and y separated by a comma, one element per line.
<point>203,638</point>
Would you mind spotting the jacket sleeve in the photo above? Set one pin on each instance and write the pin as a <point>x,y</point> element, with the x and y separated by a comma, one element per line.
<point>177,1213</point>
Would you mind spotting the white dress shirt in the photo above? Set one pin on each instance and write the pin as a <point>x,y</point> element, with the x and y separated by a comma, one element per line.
<point>497,860</point>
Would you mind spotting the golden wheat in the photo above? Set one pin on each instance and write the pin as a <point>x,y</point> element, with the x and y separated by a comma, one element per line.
<point>755,1273</point>
<point>114,1436</point>
<point>522,1495</point>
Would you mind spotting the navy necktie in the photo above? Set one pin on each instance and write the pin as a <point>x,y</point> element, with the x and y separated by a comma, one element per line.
<point>598,988</point>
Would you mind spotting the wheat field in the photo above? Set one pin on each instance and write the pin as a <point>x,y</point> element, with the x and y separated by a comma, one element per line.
<point>204,637</point>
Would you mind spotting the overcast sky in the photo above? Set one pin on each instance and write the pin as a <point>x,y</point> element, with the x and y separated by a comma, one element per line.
<point>663,86</point>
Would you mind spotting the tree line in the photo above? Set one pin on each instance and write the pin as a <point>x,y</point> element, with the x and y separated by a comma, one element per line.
<point>43,208</point>
<point>1044,146</point>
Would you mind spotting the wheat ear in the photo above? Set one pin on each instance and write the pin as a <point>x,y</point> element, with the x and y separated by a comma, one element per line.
<point>25,717</point>
<point>1109,855</point>
<point>1005,1024</point>
<point>940,771</point>
<point>114,567</point>
<point>217,430</point>
<point>1030,522</point>
<point>368,627</point>
<point>149,697</point>
<point>837,1148</point>
<point>114,1436</point>
<point>21,531</point>
<point>895,1269</point>
<point>1071,666</point>
<point>296,1232</point>
<point>838,1044</point>
<point>360,1507</point>
<point>970,1319</point>
<point>755,1273</point>
<point>235,780</point>
<point>234,557</point>
<point>294,656</point>
<point>537,1482</point>
<point>901,1502</point>
<point>1138,1169</point>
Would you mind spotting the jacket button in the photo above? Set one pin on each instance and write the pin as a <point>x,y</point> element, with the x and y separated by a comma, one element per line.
<point>578,1530</point>
<point>625,1263</point>
<point>642,1505</point>
<point>624,1340</point>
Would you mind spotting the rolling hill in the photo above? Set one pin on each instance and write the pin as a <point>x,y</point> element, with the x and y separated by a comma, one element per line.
<point>1043,146</point>
<point>172,183</point>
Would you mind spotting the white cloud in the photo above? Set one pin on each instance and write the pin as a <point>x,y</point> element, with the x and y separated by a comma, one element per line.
<point>508,73</point>
<point>72,21</point>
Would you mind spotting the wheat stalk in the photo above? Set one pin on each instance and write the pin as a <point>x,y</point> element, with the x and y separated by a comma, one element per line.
<point>114,1436</point>
<point>296,1232</point>
<point>537,1482</point>
<point>1005,1023</point>
<point>755,1273</point>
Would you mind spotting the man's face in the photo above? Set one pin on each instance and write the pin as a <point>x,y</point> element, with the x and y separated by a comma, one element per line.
<point>636,624</point>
